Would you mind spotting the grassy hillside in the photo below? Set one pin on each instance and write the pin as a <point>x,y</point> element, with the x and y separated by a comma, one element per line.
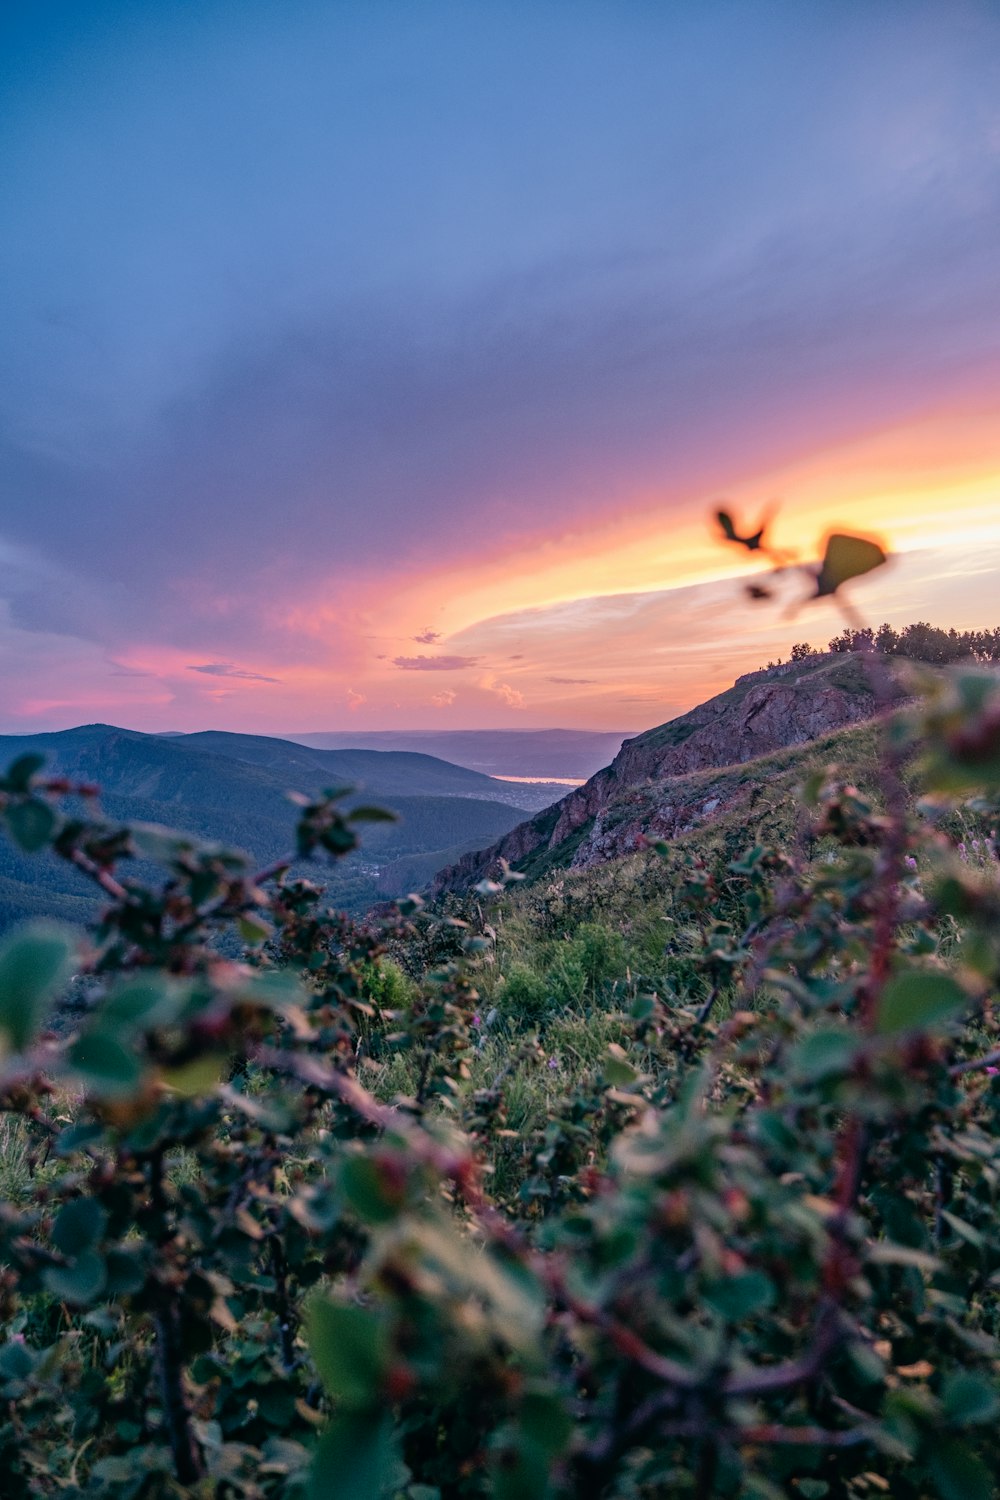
<point>565,935</point>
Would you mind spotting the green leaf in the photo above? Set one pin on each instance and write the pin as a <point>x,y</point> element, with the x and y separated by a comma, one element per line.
<point>618,1071</point>
<point>107,1068</point>
<point>964,1230</point>
<point>367,1190</point>
<point>737,1297</point>
<point>351,1350</point>
<point>16,1361</point>
<point>31,823</point>
<point>823,1055</point>
<point>34,965</point>
<point>959,1473</point>
<point>368,814</point>
<point>126,1273</point>
<point>846,557</point>
<point>20,771</point>
<point>918,1000</point>
<point>141,1003</point>
<point>79,1225</point>
<point>79,1283</point>
<point>254,930</point>
<point>545,1421</point>
<point>356,1459</point>
<point>970,1399</point>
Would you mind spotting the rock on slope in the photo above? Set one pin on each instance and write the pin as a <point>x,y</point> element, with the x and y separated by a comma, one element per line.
<point>639,794</point>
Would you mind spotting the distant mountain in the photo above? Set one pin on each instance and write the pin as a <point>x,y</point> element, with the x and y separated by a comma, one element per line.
<point>234,789</point>
<point>659,785</point>
<point>573,753</point>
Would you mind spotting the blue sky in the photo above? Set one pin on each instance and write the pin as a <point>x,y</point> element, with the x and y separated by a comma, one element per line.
<point>312,310</point>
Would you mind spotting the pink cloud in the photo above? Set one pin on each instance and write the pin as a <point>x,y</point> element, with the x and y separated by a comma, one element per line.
<point>226,669</point>
<point>434,663</point>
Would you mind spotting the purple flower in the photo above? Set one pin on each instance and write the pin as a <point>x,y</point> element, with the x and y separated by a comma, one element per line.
<point>911,863</point>
<point>553,1062</point>
<point>992,1072</point>
<point>477,1019</point>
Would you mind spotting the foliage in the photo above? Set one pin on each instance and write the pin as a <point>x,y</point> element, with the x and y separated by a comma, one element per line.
<point>697,1201</point>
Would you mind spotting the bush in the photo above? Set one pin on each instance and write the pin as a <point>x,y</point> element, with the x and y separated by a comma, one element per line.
<point>738,1238</point>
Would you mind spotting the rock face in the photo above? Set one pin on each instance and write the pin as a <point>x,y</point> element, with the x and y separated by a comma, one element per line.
<point>636,796</point>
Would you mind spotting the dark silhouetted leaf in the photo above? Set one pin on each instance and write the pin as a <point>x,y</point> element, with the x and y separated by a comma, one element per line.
<point>20,771</point>
<point>846,557</point>
<point>79,1225</point>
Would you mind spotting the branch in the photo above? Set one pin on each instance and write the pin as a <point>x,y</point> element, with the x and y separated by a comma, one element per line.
<point>104,878</point>
<point>974,1064</point>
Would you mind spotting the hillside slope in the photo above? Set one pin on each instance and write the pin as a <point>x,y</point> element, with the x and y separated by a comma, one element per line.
<point>233,789</point>
<point>645,793</point>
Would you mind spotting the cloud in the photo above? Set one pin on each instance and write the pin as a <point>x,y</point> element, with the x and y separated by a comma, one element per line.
<point>444,699</point>
<point>573,681</point>
<point>428,637</point>
<point>512,696</point>
<point>226,669</point>
<point>355,700</point>
<point>434,663</point>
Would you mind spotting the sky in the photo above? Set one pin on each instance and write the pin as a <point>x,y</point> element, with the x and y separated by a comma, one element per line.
<point>381,364</point>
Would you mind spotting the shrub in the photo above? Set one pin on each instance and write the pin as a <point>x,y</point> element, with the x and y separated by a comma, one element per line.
<point>741,1240</point>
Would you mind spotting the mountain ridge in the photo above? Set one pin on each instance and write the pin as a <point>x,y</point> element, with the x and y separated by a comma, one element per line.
<point>641,795</point>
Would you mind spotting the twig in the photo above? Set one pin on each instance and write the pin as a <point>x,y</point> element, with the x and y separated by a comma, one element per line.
<point>104,878</point>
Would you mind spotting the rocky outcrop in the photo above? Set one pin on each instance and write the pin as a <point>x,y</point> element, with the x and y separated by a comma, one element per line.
<point>631,799</point>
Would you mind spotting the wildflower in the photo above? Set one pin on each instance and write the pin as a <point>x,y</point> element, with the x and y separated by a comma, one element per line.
<point>910,862</point>
<point>477,1019</point>
<point>553,1062</point>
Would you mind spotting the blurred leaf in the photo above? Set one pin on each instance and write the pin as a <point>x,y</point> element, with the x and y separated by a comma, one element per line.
<point>372,815</point>
<point>736,1297</point>
<point>959,1473</point>
<point>545,1421</point>
<point>917,1000</point>
<point>31,823</point>
<point>356,1459</point>
<point>970,1399</point>
<point>351,1350</point>
<point>198,1076</point>
<point>108,1069</point>
<point>368,1191</point>
<point>753,541</point>
<point>79,1225</point>
<point>19,772</point>
<point>846,557</point>
<point>35,964</point>
<point>618,1071</point>
<point>142,1002</point>
<point>823,1054</point>
<point>255,930</point>
<point>80,1282</point>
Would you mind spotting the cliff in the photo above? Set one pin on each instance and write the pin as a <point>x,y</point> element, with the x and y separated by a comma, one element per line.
<point>647,792</point>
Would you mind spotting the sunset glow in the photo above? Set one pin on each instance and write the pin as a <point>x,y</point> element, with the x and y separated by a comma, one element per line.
<point>290,448</point>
